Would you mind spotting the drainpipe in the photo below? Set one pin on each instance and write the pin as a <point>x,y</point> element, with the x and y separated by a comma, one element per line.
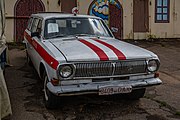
<point>150,16</point>
<point>47,5</point>
<point>174,17</point>
<point>132,20</point>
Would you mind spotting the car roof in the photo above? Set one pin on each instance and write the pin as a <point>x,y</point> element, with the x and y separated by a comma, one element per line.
<point>46,15</point>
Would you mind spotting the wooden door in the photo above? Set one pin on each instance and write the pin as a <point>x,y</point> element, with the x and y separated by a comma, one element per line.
<point>140,15</point>
<point>68,5</point>
<point>23,9</point>
<point>116,20</point>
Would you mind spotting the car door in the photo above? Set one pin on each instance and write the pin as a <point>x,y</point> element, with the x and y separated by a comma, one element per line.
<point>35,41</point>
<point>27,39</point>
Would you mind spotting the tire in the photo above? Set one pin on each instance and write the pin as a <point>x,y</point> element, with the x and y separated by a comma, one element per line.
<point>51,100</point>
<point>28,59</point>
<point>136,94</point>
<point>4,72</point>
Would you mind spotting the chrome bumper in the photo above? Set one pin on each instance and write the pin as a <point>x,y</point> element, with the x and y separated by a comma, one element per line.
<point>94,87</point>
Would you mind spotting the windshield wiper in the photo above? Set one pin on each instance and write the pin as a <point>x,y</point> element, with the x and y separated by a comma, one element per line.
<point>77,35</point>
<point>55,36</point>
<point>90,35</point>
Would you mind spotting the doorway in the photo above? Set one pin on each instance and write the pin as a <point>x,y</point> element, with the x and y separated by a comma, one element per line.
<point>140,15</point>
<point>116,21</point>
<point>22,10</point>
<point>68,5</point>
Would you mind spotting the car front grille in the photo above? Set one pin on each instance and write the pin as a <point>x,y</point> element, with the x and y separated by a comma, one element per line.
<point>108,69</point>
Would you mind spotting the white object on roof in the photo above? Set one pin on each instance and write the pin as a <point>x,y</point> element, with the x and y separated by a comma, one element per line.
<point>75,10</point>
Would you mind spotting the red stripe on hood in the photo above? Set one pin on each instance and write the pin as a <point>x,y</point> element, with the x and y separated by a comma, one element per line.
<point>102,55</point>
<point>119,54</point>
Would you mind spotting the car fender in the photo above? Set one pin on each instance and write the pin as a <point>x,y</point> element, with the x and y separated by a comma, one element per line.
<point>51,73</point>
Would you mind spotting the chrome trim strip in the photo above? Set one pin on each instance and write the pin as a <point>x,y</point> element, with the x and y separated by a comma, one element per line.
<point>114,76</point>
<point>114,68</point>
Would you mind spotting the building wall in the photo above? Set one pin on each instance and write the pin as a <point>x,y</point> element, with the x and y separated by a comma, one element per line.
<point>176,18</point>
<point>127,18</point>
<point>159,30</point>
<point>166,30</point>
<point>50,6</point>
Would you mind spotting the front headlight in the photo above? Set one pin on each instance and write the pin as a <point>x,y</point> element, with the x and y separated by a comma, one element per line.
<point>65,71</point>
<point>153,65</point>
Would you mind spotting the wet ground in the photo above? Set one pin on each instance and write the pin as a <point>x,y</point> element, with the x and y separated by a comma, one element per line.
<point>159,103</point>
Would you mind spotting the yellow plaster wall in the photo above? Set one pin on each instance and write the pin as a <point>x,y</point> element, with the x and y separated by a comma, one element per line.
<point>160,30</point>
<point>165,30</point>
<point>176,18</point>
<point>127,18</point>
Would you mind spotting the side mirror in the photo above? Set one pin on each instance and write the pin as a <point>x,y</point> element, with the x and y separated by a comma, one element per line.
<point>35,34</point>
<point>114,29</point>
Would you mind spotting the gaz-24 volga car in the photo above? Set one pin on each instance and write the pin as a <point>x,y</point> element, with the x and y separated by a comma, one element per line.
<point>78,54</point>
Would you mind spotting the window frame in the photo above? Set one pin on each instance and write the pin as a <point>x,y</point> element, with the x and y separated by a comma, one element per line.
<point>30,23</point>
<point>162,6</point>
<point>39,26</point>
<point>45,33</point>
<point>34,25</point>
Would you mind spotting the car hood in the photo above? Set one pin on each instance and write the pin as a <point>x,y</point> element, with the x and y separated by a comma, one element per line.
<point>103,49</point>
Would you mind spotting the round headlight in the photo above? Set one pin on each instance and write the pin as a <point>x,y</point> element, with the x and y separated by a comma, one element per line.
<point>152,65</point>
<point>65,71</point>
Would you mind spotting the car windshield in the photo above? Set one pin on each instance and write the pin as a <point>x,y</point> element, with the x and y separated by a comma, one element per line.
<point>61,27</point>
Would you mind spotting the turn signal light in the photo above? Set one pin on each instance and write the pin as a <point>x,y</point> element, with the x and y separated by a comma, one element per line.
<point>156,75</point>
<point>55,82</point>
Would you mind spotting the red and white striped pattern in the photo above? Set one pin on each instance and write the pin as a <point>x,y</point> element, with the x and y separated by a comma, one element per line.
<point>104,50</point>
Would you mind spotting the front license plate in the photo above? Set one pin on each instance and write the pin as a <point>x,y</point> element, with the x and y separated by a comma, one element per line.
<point>114,90</point>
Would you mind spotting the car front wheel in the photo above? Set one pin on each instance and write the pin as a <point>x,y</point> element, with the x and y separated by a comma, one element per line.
<point>51,100</point>
<point>28,59</point>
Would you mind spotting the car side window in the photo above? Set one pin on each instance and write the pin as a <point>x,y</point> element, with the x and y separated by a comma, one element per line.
<point>30,23</point>
<point>34,25</point>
